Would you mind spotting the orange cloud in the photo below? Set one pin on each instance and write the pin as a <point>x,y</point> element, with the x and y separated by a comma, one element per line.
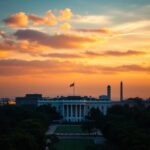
<point>7,45</point>
<point>38,47</point>
<point>3,54</point>
<point>17,20</point>
<point>22,19</point>
<point>49,19</point>
<point>2,33</point>
<point>11,67</point>
<point>24,46</point>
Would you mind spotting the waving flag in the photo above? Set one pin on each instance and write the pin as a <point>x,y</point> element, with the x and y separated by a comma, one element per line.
<point>72,85</point>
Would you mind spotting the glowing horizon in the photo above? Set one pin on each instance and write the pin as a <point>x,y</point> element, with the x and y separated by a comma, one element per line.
<point>45,48</point>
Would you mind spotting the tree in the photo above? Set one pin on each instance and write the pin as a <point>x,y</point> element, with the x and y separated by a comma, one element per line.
<point>23,142</point>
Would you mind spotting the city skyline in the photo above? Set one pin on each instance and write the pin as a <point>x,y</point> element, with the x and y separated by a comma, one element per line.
<point>45,46</point>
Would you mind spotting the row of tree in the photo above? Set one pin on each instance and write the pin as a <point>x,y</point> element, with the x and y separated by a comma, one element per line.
<point>23,128</point>
<point>124,127</point>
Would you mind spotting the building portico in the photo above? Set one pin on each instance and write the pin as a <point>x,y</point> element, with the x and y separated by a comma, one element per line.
<point>74,112</point>
<point>74,109</point>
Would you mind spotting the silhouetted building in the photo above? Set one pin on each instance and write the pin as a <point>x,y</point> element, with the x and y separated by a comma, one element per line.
<point>73,108</point>
<point>103,98</point>
<point>4,101</point>
<point>29,99</point>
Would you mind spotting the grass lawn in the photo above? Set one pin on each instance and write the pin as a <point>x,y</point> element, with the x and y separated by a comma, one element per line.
<point>69,129</point>
<point>73,144</point>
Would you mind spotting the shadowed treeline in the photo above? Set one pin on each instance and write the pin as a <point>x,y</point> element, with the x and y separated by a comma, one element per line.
<point>23,128</point>
<point>124,127</point>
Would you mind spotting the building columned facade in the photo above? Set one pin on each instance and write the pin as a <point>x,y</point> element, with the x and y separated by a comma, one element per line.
<point>75,108</point>
<point>72,108</point>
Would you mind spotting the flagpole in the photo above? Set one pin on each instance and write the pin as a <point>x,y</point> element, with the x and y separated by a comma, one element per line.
<point>74,90</point>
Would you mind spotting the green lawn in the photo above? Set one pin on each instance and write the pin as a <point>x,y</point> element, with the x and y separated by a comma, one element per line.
<point>73,144</point>
<point>69,129</point>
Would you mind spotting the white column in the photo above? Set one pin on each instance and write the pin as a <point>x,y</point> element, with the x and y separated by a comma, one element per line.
<point>83,110</point>
<point>71,111</point>
<point>76,112</point>
<point>67,111</point>
<point>80,111</point>
<point>63,111</point>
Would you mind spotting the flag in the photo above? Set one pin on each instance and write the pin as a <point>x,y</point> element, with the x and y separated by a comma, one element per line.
<point>73,84</point>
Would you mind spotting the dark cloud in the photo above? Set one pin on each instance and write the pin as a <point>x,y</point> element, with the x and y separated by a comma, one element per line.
<point>61,55</point>
<point>102,30</point>
<point>115,53</point>
<point>11,67</point>
<point>88,54</point>
<point>54,41</point>
<point>134,68</point>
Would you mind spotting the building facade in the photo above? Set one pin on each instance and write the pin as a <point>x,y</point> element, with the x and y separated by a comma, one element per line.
<point>72,108</point>
<point>75,108</point>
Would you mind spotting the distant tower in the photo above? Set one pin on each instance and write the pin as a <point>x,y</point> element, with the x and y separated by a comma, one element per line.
<point>121,91</point>
<point>109,92</point>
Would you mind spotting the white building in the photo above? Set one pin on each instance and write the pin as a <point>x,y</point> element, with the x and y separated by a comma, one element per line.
<point>75,108</point>
<point>72,108</point>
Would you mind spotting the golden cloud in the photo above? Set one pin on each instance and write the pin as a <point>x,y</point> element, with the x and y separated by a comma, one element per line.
<point>102,30</point>
<point>50,18</point>
<point>3,54</point>
<point>65,26</point>
<point>65,14</point>
<point>23,46</point>
<point>34,43</point>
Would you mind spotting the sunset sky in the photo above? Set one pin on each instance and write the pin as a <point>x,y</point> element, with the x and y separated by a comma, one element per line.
<point>47,44</point>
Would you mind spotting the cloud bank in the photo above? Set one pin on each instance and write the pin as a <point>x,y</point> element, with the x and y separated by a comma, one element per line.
<point>11,67</point>
<point>55,41</point>
<point>22,19</point>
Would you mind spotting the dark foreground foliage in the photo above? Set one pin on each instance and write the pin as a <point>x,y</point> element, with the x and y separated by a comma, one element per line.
<point>126,128</point>
<point>23,128</point>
